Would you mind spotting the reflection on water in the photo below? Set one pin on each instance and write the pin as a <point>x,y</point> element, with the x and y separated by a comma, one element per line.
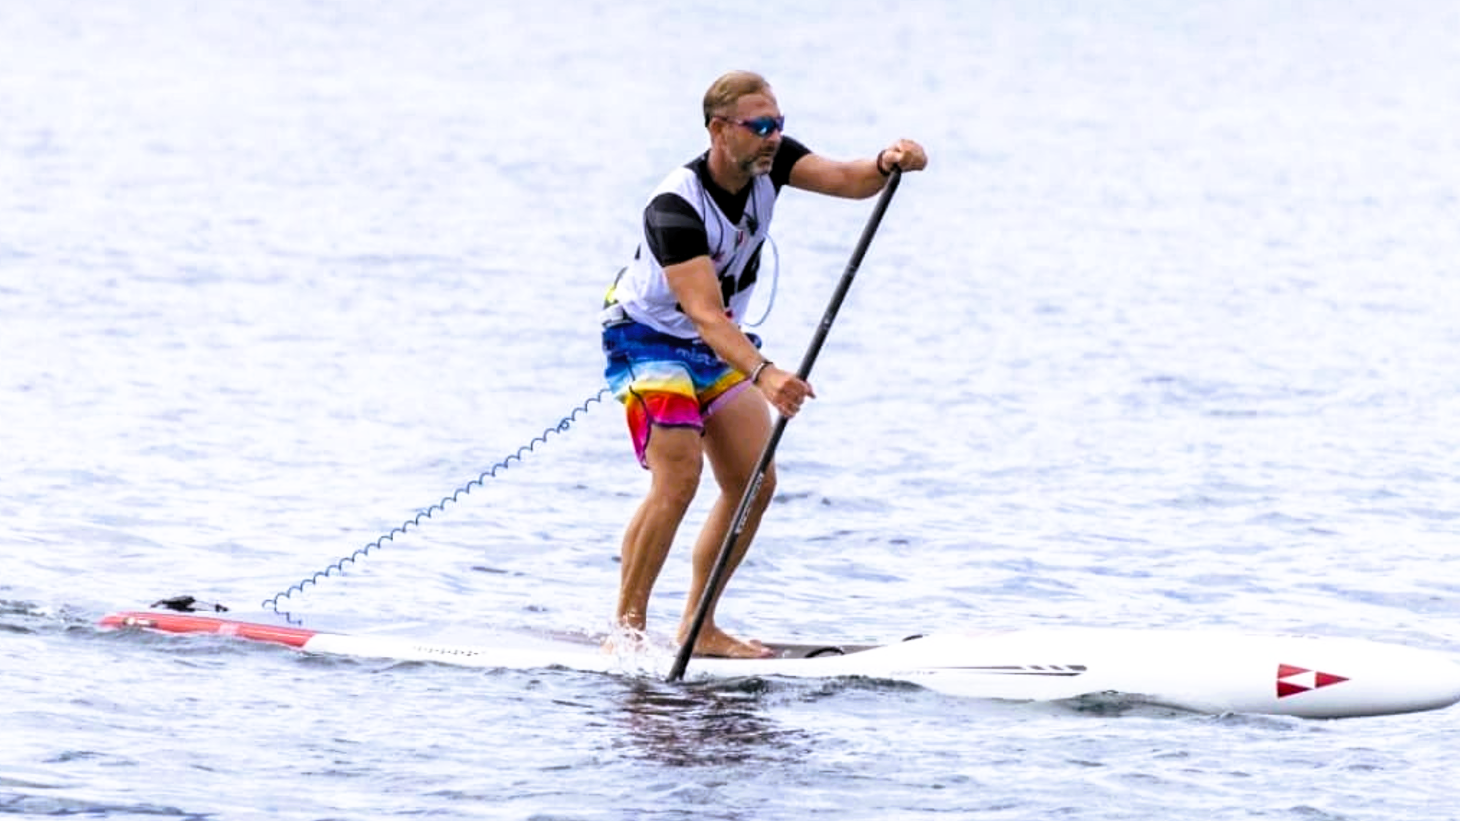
<point>704,724</point>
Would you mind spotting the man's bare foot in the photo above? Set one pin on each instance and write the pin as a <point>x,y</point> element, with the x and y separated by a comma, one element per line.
<point>716,642</point>
<point>626,641</point>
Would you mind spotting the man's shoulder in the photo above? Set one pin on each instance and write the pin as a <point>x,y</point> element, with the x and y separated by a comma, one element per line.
<point>793,148</point>
<point>790,153</point>
<point>681,189</point>
<point>671,206</point>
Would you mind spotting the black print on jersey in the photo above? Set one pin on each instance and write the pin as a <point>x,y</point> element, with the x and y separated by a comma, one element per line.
<point>730,285</point>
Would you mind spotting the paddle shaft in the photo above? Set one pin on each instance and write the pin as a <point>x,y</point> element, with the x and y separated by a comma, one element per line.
<point>752,488</point>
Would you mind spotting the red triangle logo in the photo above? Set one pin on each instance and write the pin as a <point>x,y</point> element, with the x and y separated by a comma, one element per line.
<point>1285,689</point>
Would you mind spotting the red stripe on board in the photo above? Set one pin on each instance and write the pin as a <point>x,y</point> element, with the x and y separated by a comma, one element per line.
<point>184,623</point>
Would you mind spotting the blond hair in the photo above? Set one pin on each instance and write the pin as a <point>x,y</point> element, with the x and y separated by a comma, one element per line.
<point>728,89</point>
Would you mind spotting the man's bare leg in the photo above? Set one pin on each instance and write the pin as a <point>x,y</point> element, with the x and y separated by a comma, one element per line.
<point>675,463</point>
<point>735,436</point>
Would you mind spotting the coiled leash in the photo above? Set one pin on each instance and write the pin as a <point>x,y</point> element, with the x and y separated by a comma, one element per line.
<point>562,426</point>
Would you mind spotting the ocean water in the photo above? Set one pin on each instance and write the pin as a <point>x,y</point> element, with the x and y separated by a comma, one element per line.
<point>1164,337</point>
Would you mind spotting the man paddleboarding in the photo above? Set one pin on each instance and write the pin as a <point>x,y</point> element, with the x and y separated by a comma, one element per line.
<point>694,386</point>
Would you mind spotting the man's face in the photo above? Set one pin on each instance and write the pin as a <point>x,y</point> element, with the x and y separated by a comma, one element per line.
<point>752,133</point>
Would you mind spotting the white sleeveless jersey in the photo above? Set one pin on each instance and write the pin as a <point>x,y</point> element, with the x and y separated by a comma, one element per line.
<point>644,292</point>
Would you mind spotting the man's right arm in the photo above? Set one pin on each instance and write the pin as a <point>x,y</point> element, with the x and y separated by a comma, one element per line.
<point>698,290</point>
<point>679,242</point>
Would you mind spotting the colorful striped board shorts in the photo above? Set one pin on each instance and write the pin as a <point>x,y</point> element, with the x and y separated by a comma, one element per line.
<point>665,380</point>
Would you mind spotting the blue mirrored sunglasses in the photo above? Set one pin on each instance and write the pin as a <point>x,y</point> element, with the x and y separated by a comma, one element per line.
<point>760,126</point>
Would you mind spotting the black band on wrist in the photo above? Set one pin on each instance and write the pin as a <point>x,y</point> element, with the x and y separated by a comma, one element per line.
<point>886,172</point>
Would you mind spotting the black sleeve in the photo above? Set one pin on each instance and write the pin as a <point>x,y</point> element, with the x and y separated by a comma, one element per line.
<point>675,232</point>
<point>790,151</point>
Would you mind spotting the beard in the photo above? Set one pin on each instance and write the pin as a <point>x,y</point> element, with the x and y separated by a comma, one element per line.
<point>759,163</point>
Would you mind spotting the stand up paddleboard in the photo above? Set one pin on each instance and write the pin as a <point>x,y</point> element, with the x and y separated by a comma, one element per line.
<point>1200,671</point>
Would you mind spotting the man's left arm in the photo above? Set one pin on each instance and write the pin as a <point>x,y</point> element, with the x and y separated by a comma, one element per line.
<point>856,179</point>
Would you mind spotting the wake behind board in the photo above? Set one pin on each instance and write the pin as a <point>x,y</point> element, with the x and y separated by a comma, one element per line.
<point>1200,671</point>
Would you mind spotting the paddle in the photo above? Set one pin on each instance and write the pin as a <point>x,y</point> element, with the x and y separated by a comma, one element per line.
<point>752,487</point>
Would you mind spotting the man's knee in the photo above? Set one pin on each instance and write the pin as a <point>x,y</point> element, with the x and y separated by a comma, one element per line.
<point>763,493</point>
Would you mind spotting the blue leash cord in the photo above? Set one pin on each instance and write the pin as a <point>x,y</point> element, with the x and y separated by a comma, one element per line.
<point>562,426</point>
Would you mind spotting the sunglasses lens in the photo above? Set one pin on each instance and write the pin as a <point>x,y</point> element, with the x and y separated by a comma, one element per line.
<point>764,126</point>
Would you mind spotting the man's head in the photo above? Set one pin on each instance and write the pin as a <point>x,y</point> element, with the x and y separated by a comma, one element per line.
<point>726,91</point>
<point>744,121</point>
